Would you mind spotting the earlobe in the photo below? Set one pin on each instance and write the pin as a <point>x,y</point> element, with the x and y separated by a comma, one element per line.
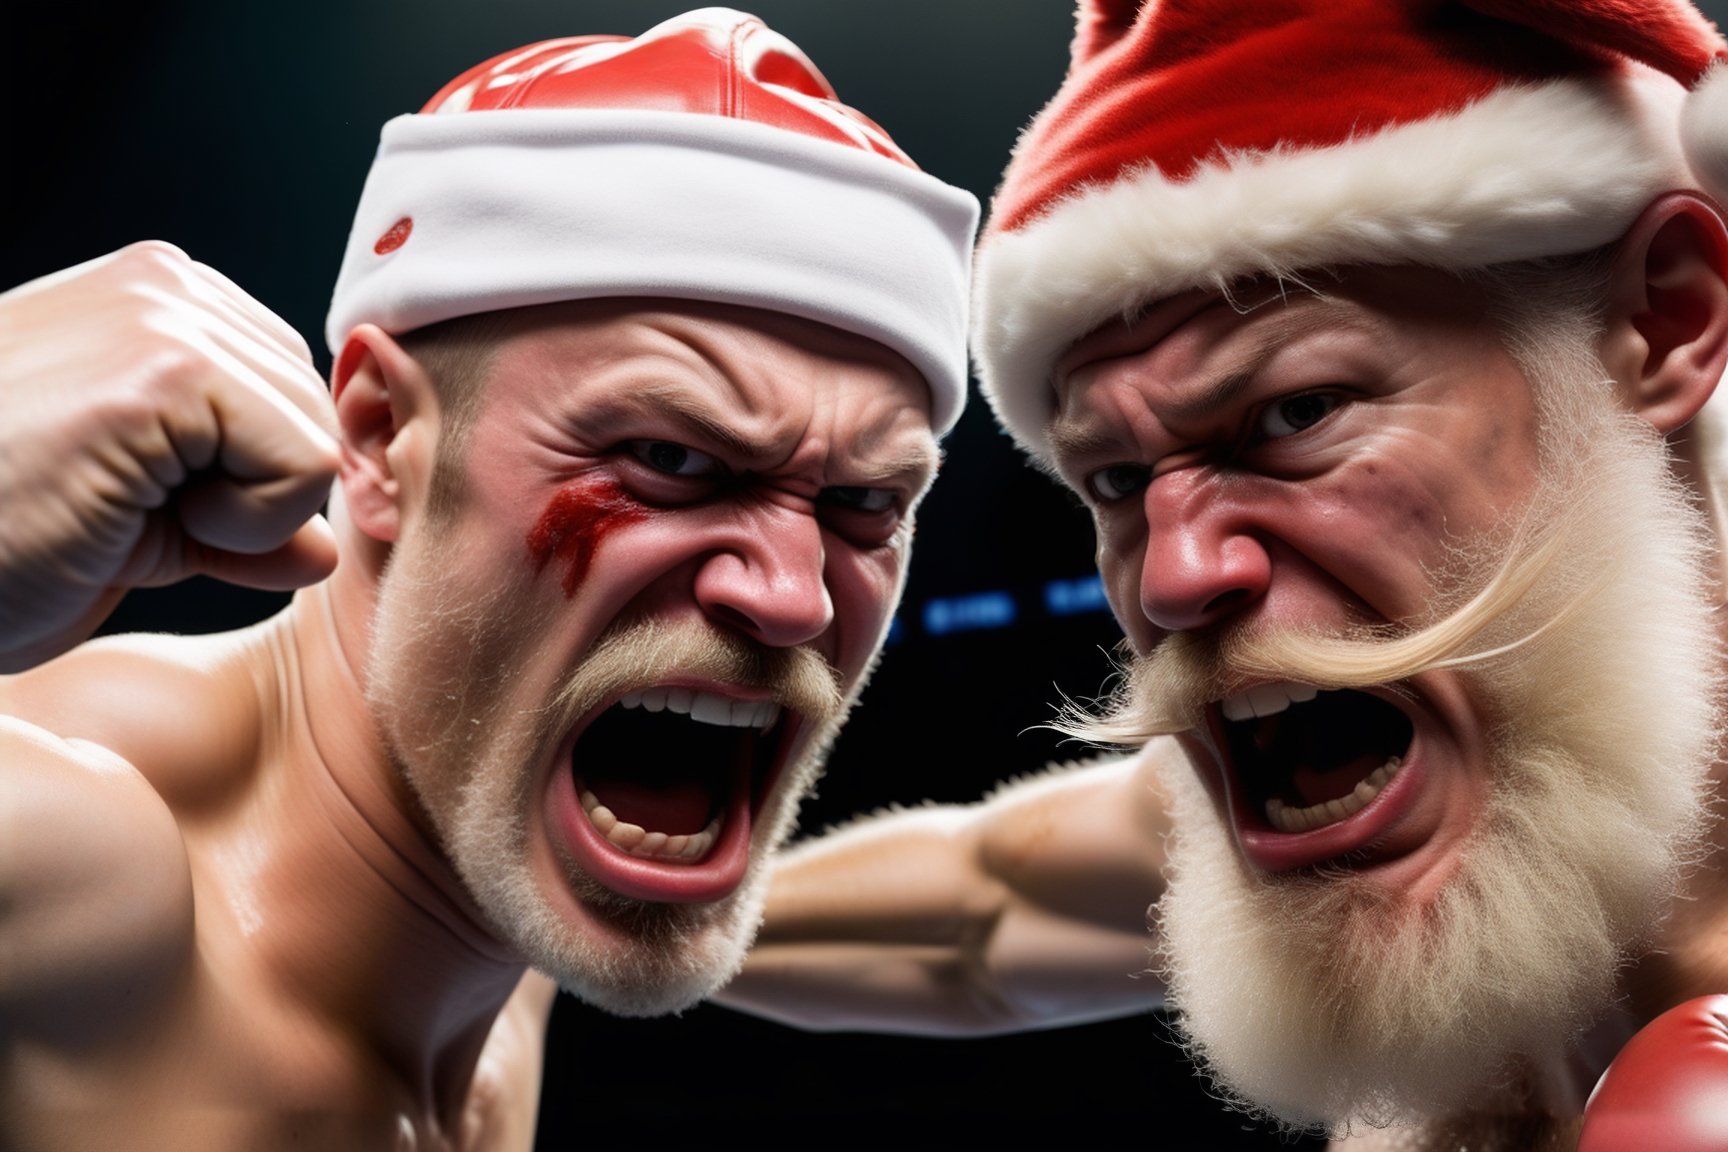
<point>378,388</point>
<point>1666,342</point>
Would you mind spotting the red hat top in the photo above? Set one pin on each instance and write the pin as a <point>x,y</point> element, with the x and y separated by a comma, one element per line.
<point>714,62</point>
<point>1195,142</point>
<point>707,159</point>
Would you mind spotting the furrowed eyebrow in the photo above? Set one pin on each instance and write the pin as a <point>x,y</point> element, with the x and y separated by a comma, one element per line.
<point>1290,325</point>
<point>1069,442</point>
<point>1072,442</point>
<point>917,461</point>
<point>699,417</point>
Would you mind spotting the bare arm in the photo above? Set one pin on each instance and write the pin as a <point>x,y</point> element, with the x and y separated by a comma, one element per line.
<point>155,423</point>
<point>95,891</point>
<point>1027,910</point>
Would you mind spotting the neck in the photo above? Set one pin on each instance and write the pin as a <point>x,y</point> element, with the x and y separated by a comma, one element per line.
<point>368,922</point>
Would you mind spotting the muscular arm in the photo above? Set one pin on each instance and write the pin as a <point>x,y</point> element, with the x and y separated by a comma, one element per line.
<point>95,892</point>
<point>155,423</point>
<point>1026,910</point>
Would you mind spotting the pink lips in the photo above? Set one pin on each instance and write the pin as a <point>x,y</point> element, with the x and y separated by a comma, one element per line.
<point>714,877</point>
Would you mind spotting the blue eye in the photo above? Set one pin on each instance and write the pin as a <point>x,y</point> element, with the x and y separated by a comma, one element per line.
<point>673,459</point>
<point>1295,414</point>
<point>1118,481</point>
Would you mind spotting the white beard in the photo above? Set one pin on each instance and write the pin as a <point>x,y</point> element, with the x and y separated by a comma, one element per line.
<point>1314,998</point>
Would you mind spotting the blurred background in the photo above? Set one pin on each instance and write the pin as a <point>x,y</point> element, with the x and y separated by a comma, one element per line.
<point>242,132</point>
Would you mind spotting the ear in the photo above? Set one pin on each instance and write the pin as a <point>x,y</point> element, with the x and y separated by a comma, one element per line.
<point>1666,343</point>
<point>380,392</point>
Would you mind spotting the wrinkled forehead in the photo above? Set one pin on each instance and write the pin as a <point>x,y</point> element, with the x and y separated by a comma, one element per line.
<point>737,373</point>
<point>1265,311</point>
<point>737,341</point>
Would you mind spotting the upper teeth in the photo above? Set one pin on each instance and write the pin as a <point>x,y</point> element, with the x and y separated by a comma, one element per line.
<point>1265,700</point>
<point>706,707</point>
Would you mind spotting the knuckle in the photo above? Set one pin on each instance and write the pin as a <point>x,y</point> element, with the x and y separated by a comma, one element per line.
<point>152,258</point>
<point>163,379</point>
<point>167,368</point>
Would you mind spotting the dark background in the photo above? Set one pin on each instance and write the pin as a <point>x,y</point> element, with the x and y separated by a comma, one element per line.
<point>242,132</point>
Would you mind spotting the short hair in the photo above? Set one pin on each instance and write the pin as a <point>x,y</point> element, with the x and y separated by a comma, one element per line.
<point>456,356</point>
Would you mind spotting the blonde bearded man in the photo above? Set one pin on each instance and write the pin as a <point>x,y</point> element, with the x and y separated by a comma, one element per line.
<point>642,352</point>
<point>1376,338</point>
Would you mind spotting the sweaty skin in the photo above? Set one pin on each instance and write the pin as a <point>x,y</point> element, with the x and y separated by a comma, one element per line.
<point>227,916</point>
<point>1026,910</point>
<point>574,523</point>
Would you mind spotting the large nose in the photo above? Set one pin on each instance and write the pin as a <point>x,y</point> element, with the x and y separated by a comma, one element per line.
<point>767,581</point>
<point>1202,564</point>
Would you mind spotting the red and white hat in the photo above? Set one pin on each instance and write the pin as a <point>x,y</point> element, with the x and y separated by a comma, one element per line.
<point>706,159</point>
<point>1196,142</point>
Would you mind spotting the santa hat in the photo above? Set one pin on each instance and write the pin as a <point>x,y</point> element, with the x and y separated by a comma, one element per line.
<point>706,159</point>
<point>1196,142</point>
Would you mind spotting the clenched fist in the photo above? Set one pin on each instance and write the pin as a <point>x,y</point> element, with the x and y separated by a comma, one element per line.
<point>155,423</point>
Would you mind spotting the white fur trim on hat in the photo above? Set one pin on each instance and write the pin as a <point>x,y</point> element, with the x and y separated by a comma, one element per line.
<point>533,206</point>
<point>1526,171</point>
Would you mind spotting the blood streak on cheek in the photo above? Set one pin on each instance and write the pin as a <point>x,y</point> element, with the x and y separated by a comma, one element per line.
<point>576,519</point>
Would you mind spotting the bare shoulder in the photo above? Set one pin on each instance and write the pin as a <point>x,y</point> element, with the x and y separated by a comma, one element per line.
<point>96,915</point>
<point>182,710</point>
<point>95,888</point>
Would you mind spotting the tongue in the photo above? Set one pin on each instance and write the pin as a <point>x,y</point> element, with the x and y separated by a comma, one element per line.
<point>672,807</point>
<point>1316,784</point>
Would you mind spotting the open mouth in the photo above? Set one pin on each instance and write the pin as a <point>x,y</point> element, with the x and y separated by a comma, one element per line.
<point>1305,759</point>
<point>660,773</point>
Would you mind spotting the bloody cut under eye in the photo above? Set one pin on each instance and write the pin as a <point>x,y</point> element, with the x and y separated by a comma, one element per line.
<point>574,522</point>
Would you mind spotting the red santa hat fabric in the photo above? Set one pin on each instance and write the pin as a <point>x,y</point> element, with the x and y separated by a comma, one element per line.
<point>706,159</point>
<point>1196,142</point>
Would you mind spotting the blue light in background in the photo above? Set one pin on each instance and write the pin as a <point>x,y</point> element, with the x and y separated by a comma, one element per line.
<point>976,612</point>
<point>1072,597</point>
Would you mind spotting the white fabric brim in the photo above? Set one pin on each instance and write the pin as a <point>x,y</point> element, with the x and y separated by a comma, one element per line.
<point>522,206</point>
<point>1525,172</point>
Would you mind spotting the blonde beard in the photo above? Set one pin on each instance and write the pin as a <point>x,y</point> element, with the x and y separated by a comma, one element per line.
<point>470,767</point>
<point>1318,998</point>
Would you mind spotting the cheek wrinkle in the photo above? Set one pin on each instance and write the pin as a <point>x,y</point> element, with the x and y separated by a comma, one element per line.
<point>576,519</point>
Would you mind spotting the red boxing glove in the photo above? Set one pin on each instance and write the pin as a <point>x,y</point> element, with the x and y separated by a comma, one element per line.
<point>1668,1088</point>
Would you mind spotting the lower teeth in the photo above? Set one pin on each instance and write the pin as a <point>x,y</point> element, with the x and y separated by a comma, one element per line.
<point>638,841</point>
<point>1286,818</point>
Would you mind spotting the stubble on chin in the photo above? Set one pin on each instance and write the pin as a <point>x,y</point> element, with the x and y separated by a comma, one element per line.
<point>438,681</point>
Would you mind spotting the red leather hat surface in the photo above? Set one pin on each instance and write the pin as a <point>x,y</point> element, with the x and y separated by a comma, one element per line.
<point>706,159</point>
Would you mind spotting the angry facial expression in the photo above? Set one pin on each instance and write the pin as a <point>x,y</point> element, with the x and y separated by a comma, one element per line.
<point>1307,467</point>
<point>609,671</point>
<point>1406,602</point>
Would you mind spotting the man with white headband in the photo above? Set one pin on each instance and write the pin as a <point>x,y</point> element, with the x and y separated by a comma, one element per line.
<point>1380,339</point>
<point>642,352</point>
